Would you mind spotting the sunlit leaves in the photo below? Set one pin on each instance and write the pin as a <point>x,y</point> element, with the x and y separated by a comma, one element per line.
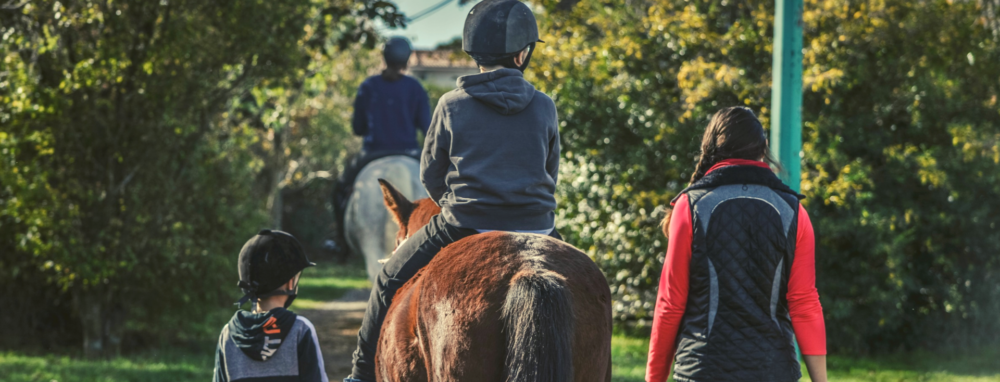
<point>900,145</point>
<point>125,164</point>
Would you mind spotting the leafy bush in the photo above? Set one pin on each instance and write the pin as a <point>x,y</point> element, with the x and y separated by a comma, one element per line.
<point>133,138</point>
<point>900,159</point>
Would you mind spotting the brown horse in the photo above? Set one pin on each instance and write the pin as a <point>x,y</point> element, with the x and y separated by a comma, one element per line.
<point>497,306</point>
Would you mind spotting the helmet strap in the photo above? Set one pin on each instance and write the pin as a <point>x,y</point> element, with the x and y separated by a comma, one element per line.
<point>281,292</point>
<point>527,59</point>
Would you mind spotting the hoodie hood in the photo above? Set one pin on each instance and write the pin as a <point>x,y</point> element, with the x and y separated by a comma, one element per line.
<point>260,335</point>
<point>505,90</point>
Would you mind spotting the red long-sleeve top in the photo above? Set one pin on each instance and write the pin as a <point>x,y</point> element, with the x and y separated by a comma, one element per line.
<point>803,299</point>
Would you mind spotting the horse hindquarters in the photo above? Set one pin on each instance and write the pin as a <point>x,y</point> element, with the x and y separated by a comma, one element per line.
<point>555,321</point>
<point>538,321</point>
<point>557,313</point>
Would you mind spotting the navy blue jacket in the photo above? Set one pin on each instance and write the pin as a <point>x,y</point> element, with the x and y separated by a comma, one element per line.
<point>389,113</point>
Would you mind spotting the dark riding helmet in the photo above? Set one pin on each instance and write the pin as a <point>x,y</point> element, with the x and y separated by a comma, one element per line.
<point>397,51</point>
<point>496,30</point>
<point>267,261</point>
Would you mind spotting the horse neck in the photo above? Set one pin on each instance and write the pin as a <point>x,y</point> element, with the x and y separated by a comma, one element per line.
<point>422,214</point>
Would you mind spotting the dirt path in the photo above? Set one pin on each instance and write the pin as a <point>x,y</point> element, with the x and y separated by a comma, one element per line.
<point>337,323</point>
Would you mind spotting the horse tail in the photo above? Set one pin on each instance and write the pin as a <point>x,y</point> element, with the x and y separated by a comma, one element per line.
<point>538,322</point>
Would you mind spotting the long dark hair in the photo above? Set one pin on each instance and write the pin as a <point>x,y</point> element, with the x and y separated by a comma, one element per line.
<point>733,133</point>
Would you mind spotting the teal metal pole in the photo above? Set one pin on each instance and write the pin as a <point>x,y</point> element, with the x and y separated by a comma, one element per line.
<point>786,90</point>
<point>786,95</point>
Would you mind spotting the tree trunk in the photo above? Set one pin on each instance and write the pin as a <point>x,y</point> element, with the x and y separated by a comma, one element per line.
<point>277,206</point>
<point>276,174</point>
<point>102,318</point>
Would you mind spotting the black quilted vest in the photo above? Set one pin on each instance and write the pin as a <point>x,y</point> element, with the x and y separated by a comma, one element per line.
<point>736,326</point>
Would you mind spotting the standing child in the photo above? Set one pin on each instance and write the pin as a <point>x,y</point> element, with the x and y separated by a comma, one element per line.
<point>490,158</point>
<point>270,343</point>
<point>739,277</point>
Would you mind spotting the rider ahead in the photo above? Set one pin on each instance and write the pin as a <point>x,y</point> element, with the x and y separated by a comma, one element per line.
<point>389,109</point>
<point>490,158</point>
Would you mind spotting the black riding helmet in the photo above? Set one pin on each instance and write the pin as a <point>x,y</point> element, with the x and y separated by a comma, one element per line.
<point>267,261</point>
<point>397,51</point>
<point>496,30</point>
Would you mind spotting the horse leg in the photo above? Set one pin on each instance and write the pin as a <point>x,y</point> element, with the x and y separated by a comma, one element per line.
<point>411,256</point>
<point>400,350</point>
<point>431,337</point>
<point>592,307</point>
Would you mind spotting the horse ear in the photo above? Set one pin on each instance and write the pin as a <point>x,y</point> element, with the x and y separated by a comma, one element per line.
<point>396,203</point>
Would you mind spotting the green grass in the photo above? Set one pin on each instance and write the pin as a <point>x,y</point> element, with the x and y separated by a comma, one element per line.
<point>629,365</point>
<point>979,366</point>
<point>327,282</point>
<point>629,357</point>
<point>169,366</point>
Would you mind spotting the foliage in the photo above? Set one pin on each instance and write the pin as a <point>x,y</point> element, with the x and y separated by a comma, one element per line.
<point>901,126</point>
<point>302,124</point>
<point>455,45</point>
<point>129,151</point>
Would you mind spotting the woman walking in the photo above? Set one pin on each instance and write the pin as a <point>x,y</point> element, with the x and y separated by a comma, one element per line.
<point>739,276</point>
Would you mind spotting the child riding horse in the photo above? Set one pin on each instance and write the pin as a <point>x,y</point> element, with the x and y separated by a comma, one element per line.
<point>490,159</point>
<point>497,306</point>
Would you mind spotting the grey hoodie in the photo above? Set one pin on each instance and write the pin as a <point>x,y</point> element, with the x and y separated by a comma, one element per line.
<point>255,347</point>
<point>491,156</point>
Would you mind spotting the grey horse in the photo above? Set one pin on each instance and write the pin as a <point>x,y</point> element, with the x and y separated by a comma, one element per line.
<point>368,228</point>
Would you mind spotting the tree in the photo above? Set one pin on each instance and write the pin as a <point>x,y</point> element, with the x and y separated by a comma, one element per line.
<point>455,45</point>
<point>126,187</point>
<point>900,127</point>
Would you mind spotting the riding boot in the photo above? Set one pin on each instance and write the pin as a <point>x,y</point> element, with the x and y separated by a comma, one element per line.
<point>411,256</point>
